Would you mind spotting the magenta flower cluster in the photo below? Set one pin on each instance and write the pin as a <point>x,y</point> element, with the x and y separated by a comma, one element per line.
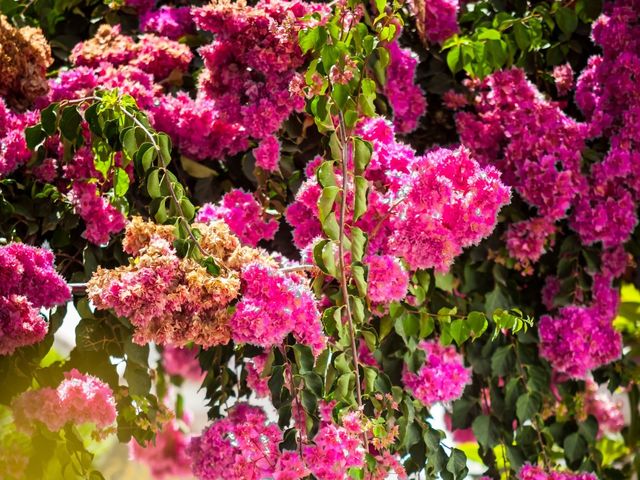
<point>28,281</point>
<point>13,146</point>
<point>167,456</point>
<point>532,472</point>
<point>580,338</point>
<point>274,304</point>
<point>170,22</point>
<point>423,209</point>
<point>439,18</point>
<point>78,399</point>
<point>443,376</point>
<point>244,216</point>
<point>243,445</point>
<point>388,280</point>
<point>406,98</point>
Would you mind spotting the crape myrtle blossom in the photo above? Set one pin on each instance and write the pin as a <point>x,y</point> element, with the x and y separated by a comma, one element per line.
<point>415,203</point>
<point>78,399</point>
<point>531,472</point>
<point>441,378</point>
<point>243,214</point>
<point>28,282</point>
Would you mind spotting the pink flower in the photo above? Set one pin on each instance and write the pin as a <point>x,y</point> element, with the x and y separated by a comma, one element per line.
<point>442,378</point>
<point>563,76</point>
<point>527,240</point>
<point>439,18</point>
<point>20,324</point>
<point>78,399</point>
<point>406,98</point>
<point>166,455</point>
<point>530,472</point>
<point>450,203</point>
<point>267,154</point>
<point>274,304</point>
<point>101,218</point>
<point>255,381</point>
<point>170,22</point>
<point>182,361</point>
<point>388,281</point>
<point>241,211</point>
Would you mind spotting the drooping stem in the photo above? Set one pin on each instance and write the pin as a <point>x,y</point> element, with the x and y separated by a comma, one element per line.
<point>344,140</point>
<point>172,193</point>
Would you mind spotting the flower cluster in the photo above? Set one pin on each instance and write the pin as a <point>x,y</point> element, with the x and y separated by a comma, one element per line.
<point>451,203</point>
<point>529,139</point>
<point>157,56</point>
<point>243,214</point>
<point>436,20</point>
<point>182,361</point>
<point>255,380</point>
<point>170,22</point>
<point>580,338</point>
<point>531,472</point>
<point>28,281</point>
<point>244,89</point>
<point>442,378</point>
<point>101,218</point>
<point>406,98</point>
<point>604,408</point>
<point>78,399</point>
<point>274,304</point>
<point>167,456</point>
<point>388,280</point>
<point>13,146</point>
<point>336,448</point>
<point>170,299</point>
<point>415,204</point>
<point>243,445</point>
<point>607,93</point>
<point>25,56</point>
<point>528,240</point>
<point>267,154</point>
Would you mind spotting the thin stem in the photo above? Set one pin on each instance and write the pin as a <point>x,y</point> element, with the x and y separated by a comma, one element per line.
<point>297,268</point>
<point>343,274</point>
<point>172,193</point>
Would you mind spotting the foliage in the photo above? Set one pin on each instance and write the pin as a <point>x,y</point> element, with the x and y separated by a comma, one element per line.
<point>418,278</point>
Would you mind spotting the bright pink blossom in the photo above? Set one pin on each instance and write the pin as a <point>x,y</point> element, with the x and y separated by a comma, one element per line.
<point>442,378</point>
<point>182,361</point>
<point>167,455</point>
<point>78,399</point>
<point>170,22</point>
<point>388,280</point>
<point>274,304</point>
<point>530,472</point>
<point>242,212</point>
<point>267,154</point>
<point>101,218</point>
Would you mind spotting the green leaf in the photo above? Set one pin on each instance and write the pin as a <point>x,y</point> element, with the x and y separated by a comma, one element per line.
<point>567,20</point>
<point>121,182</point>
<point>35,136</point>
<point>326,201</point>
<point>521,34</point>
<point>70,123</point>
<point>212,266</point>
<point>304,357</point>
<point>330,227</point>
<point>136,353</point>
<point>188,209</point>
<point>48,118</point>
<point>360,204</point>
<point>485,431</point>
<point>358,244</point>
<point>358,274</point>
<point>575,447</point>
<point>196,169</point>
<point>318,250</point>
<point>137,378</point>
<point>477,322</point>
<point>153,183</point>
<point>454,59</point>
<point>527,406</point>
<point>460,330</point>
<point>362,155</point>
<point>502,361</point>
<point>164,143</point>
<point>457,463</point>
<point>326,175</point>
